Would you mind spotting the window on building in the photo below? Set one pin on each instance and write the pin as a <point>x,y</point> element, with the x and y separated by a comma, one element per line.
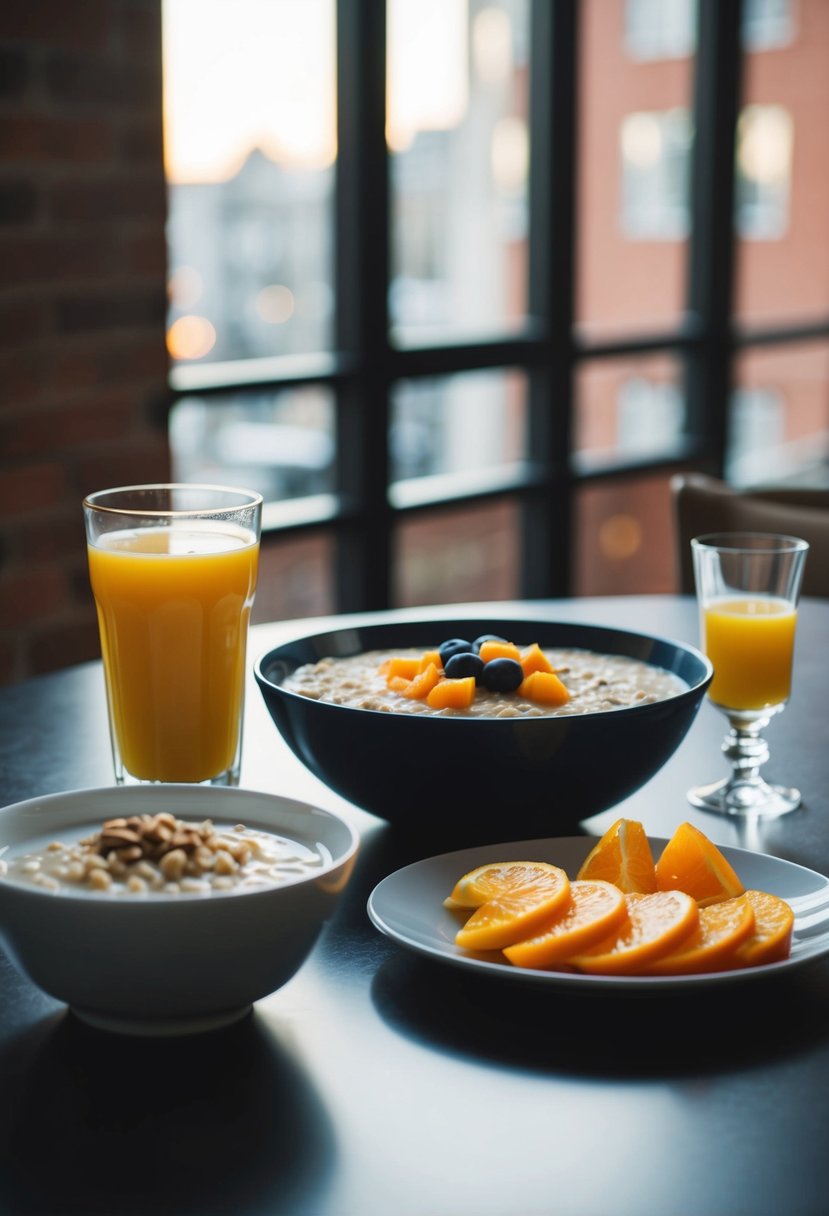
<point>377,242</point>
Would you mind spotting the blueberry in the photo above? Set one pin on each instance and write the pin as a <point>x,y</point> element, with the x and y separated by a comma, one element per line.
<point>486,637</point>
<point>502,675</point>
<point>465,664</point>
<point>453,646</point>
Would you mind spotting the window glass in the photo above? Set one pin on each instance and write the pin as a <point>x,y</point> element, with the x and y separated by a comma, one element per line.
<point>633,189</point>
<point>294,579</point>
<point>465,424</point>
<point>624,538</point>
<point>666,29</point>
<point>279,443</point>
<point>783,176</point>
<point>779,417</point>
<point>459,149</point>
<point>250,143</point>
<point>465,555</point>
<point>628,409</point>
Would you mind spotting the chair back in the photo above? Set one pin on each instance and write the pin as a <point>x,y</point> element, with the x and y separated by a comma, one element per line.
<point>705,504</point>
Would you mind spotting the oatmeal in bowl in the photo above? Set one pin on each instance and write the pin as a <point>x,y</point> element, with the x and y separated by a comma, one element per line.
<point>469,726</point>
<point>167,909</point>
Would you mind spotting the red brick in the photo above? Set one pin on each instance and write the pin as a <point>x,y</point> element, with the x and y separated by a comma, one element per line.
<point>60,431</point>
<point>31,488</point>
<point>37,137</point>
<point>61,646</point>
<point>15,72</point>
<point>22,376</point>
<point>56,23</point>
<point>47,540</point>
<point>145,255</point>
<point>111,201</point>
<point>21,322</point>
<point>30,595</point>
<point>142,141</point>
<point>45,259</point>
<point>144,461</point>
<point>18,202</point>
<point>128,308</point>
<point>86,80</point>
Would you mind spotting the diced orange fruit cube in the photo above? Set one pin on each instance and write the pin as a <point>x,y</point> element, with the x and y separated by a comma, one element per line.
<point>431,656</point>
<point>499,650</point>
<point>452,694</point>
<point>534,659</point>
<point>397,683</point>
<point>545,688</point>
<point>622,856</point>
<point>408,668</point>
<point>691,862</point>
<point>423,683</point>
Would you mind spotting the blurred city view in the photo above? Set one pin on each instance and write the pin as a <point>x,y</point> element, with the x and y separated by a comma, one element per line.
<point>251,230</point>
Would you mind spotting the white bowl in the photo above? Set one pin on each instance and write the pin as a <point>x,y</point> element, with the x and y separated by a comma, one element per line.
<point>169,963</point>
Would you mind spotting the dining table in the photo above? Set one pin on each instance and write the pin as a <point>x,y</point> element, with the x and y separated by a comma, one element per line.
<point>380,1081</point>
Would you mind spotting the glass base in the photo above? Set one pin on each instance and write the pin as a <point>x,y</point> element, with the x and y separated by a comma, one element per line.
<point>750,798</point>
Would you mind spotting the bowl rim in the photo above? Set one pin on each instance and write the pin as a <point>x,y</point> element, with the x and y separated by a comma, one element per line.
<point>184,899</point>
<point>273,653</point>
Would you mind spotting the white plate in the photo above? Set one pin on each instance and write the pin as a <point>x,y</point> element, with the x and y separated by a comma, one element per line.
<point>408,907</point>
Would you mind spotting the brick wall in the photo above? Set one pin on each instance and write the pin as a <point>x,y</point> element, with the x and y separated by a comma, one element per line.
<point>83,363</point>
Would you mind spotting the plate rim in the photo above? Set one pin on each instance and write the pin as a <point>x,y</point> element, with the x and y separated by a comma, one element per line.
<point>448,954</point>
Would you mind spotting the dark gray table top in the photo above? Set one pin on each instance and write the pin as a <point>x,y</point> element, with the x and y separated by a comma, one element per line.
<point>380,1082</point>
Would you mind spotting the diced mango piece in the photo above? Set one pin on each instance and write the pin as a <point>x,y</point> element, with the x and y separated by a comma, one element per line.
<point>397,683</point>
<point>545,688</point>
<point>430,656</point>
<point>534,659</point>
<point>499,650</point>
<point>452,694</point>
<point>408,668</point>
<point>423,683</point>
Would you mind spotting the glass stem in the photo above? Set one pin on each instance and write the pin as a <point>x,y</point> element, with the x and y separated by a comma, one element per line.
<point>747,751</point>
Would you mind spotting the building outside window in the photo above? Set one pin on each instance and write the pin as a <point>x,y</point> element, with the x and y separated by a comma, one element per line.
<point>416,317</point>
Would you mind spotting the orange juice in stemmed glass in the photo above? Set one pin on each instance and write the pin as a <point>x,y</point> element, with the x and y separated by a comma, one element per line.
<point>748,586</point>
<point>173,571</point>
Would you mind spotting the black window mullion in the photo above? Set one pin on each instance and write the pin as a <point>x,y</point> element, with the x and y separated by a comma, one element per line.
<point>548,510</point>
<point>363,551</point>
<point>717,96</point>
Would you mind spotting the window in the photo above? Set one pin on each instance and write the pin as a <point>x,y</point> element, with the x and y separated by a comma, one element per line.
<point>454,371</point>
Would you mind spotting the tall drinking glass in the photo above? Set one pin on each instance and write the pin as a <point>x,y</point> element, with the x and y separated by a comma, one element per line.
<point>748,586</point>
<point>173,571</point>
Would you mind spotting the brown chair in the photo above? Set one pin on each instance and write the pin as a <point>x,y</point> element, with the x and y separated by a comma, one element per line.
<point>704,504</point>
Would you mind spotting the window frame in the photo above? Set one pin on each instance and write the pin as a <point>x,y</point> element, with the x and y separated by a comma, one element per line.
<point>549,350</point>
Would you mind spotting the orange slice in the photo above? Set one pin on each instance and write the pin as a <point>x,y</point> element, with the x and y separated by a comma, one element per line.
<point>526,895</point>
<point>772,937</point>
<point>657,923</point>
<point>622,856</point>
<point>496,878</point>
<point>692,863</point>
<point>595,910</point>
<point>722,929</point>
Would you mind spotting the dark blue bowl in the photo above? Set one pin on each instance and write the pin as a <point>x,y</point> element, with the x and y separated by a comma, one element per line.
<point>480,776</point>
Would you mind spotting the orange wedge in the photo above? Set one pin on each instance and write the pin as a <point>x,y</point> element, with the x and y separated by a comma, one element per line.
<point>692,863</point>
<point>622,856</point>
<point>595,910</point>
<point>657,924</point>
<point>772,937</point>
<point>526,896</point>
<point>722,929</point>
<point>495,878</point>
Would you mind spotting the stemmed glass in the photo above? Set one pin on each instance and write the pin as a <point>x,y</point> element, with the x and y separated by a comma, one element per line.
<point>748,586</point>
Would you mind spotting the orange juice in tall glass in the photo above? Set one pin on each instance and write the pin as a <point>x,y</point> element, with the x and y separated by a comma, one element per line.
<point>750,641</point>
<point>173,571</point>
